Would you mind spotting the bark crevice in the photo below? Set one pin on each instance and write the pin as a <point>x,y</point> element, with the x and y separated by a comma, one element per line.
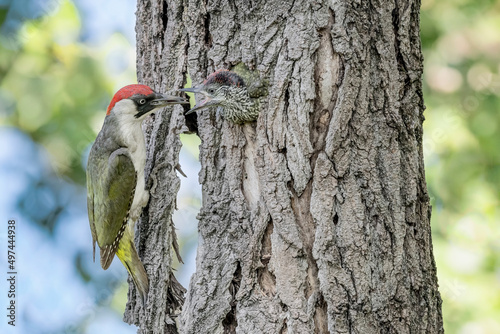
<point>230,323</point>
<point>265,278</point>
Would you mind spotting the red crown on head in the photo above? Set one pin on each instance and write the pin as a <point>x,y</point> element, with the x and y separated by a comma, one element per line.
<point>127,92</point>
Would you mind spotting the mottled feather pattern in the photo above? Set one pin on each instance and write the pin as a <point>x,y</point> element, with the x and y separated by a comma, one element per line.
<point>238,106</point>
<point>230,89</point>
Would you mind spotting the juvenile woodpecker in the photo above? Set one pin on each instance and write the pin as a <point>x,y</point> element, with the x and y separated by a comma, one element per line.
<point>116,192</point>
<point>228,90</point>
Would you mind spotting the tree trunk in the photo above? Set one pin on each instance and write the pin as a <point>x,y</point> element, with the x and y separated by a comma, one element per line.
<point>159,63</point>
<point>315,218</point>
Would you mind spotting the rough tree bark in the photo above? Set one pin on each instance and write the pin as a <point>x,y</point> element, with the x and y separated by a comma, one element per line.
<point>315,219</point>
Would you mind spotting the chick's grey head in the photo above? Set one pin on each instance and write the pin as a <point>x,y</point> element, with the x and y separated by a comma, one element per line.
<point>222,88</point>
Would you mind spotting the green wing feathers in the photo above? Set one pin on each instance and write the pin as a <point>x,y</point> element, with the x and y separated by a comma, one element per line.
<point>90,208</point>
<point>110,185</point>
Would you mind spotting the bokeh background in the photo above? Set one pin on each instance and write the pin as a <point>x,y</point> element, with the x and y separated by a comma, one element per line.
<point>60,63</point>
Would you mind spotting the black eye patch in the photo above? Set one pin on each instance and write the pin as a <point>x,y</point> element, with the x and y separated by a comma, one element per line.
<point>143,104</point>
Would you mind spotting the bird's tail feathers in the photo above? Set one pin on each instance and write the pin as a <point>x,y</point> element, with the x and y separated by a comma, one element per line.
<point>127,254</point>
<point>107,255</point>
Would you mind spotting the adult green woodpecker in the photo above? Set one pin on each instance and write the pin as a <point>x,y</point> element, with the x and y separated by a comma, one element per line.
<point>116,192</point>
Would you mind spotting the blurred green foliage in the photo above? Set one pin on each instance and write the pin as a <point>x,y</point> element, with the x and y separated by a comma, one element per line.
<point>56,89</point>
<point>461,41</point>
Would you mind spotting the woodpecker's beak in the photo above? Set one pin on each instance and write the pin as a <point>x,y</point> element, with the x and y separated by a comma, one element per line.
<point>165,100</point>
<point>206,102</point>
<point>190,90</point>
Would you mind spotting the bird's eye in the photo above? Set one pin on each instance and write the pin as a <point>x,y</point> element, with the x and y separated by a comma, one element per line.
<point>211,90</point>
<point>142,101</point>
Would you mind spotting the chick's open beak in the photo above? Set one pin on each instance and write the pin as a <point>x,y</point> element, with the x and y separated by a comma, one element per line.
<point>206,102</point>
